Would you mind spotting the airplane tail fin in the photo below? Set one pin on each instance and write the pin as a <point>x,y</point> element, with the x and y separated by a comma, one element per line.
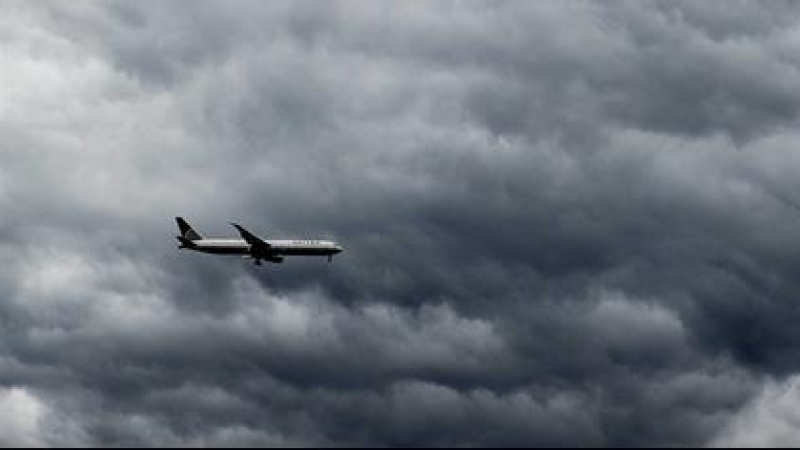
<point>187,232</point>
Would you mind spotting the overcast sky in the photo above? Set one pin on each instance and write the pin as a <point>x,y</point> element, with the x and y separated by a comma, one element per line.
<point>566,223</point>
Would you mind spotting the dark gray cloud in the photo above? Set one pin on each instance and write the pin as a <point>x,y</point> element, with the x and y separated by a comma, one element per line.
<point>567,223</point>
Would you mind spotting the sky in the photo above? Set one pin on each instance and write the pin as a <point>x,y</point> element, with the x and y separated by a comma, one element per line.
<point>565,222</point>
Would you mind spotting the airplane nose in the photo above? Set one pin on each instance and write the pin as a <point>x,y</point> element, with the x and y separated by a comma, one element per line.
<point>338,249</point>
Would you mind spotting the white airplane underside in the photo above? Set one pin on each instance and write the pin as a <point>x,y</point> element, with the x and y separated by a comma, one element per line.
<point>251,246</point>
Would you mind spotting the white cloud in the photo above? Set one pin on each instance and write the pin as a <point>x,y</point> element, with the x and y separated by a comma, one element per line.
<point>28,421</point>
<point>21,418</point>
<point>772,419</point>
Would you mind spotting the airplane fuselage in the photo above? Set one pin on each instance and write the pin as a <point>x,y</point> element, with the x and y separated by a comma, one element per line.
<point>277,247</point>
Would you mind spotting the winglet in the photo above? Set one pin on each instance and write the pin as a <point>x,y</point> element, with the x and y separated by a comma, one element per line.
<point>239,227</point>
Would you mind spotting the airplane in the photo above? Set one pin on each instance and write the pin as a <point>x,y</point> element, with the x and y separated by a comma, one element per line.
<point>251,246</point>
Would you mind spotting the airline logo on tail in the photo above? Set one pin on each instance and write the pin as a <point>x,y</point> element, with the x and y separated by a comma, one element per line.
<point>188,234</point>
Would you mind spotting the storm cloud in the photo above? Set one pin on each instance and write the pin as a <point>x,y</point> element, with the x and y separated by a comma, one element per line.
<point>566,223</point>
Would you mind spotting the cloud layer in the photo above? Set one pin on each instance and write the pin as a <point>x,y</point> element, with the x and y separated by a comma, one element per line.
<point>567,223</point>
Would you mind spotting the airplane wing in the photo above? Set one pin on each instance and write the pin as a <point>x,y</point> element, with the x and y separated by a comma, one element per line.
<point>258,247</point>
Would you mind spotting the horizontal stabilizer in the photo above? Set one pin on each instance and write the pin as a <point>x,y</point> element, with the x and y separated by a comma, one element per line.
<point>185,243</point>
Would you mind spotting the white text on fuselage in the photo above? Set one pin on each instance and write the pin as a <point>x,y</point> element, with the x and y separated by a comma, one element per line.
<point>306,243</point>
